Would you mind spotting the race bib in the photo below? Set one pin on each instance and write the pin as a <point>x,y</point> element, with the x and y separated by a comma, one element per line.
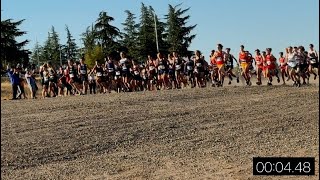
<point>71,75</point>
<point>219,59</point>
<point>292,64</point>
<point>46,78</point>
<point>110,69</point>
<point>313,61</point>
<point>189,68</point>
<point>198,64</point>
<point>161,67</point>
<point>99,74</point>
<point>178,67</point>
<point>83,71</point>
<point>124,67</point>
<point>268,62</point>
<point>151,68</point>
<point>196,70</point>
<point>118,73</point>
<point>136,72</point>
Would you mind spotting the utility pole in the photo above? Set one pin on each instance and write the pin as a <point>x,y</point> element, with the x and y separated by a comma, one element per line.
<point>155,29</point>
<point>60,55</point>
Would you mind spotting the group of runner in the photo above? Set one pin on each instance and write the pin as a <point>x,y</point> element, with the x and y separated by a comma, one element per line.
<point>175,72</point>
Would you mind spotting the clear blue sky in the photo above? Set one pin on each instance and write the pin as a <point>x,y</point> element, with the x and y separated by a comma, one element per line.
<point>254,23</point>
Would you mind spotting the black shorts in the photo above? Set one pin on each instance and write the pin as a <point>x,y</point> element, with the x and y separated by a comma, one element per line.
<point>83,78</point>
<point>315,65</point>
<point>227,67</point>
<point>45,83</point>
<point>190,73</point>
<point>137,77</point>
<point>160,72</point>
<point>53,79</point>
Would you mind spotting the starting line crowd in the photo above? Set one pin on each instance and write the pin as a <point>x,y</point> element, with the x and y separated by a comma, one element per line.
<point>171,72</point>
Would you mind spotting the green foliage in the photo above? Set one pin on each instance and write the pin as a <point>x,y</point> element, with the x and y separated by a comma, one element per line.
<point>178,33</point>
<point>70,48</point>
<point>93,55</point>
<point>106,33</point>
<point>130,35</point>
<point>12,51</point>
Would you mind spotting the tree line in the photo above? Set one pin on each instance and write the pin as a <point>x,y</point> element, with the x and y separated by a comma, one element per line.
<point>137,38</point>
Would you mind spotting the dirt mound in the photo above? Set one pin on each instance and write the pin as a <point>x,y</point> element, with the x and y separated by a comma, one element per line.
<point>185,134</point>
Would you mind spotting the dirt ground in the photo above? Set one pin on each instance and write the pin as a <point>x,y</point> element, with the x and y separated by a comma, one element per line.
<point>210,133</point>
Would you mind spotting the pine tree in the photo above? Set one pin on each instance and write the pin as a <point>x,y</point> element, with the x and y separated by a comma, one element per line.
<point>178,33</point>
<point>11,50</point>
<point>106,33</point>
<point>146,35</point>
<point>130,38</point>
<point>54,47</point>
<point>70,49</point>
<point>35,56</point>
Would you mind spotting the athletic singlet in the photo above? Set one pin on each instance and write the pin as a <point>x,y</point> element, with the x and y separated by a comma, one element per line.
<point>136,70</point>
<point>51,72</point>
<point>124,63</point>
<point>218,56</point>
<point>259,60</point>
<point>83,69</point>
<point>178,62</point>
<point>73,72</point>
<point>282,61</point>
<point>171,65</point>
<point>151,65</point>
<point>162,64</point>
<point>313,58</point>
<point>45,76</point>
<point>99,71</point>
<point>300,58</point>
<point>190,65</point>
<point>199,64</point>
<point>229,60</point>
<point>110,66</point>
<point>243,57</point>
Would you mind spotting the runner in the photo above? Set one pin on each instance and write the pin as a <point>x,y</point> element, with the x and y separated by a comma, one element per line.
<point>92,82</point>
<point>162,65</point>
<point>73,74</point>
<point>45,83</point>
<point>52,79</point>
<point>125,66</point>
<point>179,67</point>
<point>229,65</point>
<point>189,70</point>
<point>110,68</point>
<point>244,62</point>
<point>219,57</point>
<point>292,65</point>
<point>137,80</point>
<point>313,59</point>
<point>259,66</point>
<point>271,66</point>
<point>171,72</point>
<point>83,75</point>
<point>199,68</point>
<point>283,67</point>
<point>151,73</point>
<point>301,59</point>
<point>213,69</point>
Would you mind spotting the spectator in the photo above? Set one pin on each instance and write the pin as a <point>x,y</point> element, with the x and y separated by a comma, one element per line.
<point>31,81</point>
<point>14,79</point>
